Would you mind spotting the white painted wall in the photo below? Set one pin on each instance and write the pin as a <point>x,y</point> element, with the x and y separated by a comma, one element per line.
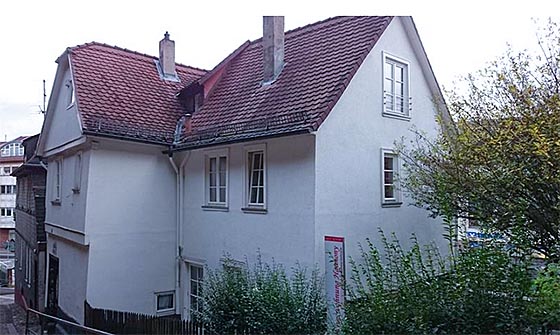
<point>7,200</point>
<point>64,125</point>
<point>348,155</point>
<point>70,213</point>
<point>284,233</point>
<point>72,278</point>
<point>130,223</point>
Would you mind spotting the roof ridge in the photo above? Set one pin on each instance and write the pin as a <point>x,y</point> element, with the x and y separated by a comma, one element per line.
<point>137,53</point>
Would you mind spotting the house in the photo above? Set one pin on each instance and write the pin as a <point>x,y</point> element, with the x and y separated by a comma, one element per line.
<point>30,230</point>
<point>11,156</point>
<point>157,170</point>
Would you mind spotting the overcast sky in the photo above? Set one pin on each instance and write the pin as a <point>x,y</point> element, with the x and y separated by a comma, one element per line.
<point>459,36</point>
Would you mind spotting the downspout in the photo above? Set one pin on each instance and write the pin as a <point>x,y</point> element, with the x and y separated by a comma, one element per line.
<point>178,213</point>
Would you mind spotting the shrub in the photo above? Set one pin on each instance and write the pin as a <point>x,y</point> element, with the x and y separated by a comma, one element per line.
<point>263,300</point>
<point>480,290</point>
<point>546,296</point>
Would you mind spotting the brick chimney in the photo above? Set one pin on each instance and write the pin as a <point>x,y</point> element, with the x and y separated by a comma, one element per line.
<point>273,47</point>
<point>167,57</point>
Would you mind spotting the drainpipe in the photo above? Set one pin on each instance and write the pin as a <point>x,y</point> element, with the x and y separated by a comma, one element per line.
<point>179,215</point>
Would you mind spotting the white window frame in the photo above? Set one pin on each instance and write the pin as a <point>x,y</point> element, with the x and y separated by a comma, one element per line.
<point>396,61</point>
<point>252,207</point>
<point>396,200</point>
<point>190,266</point>
<point>164,311</point>
<point>57,180</point>
<point>77,173</point>
<point>216,154</point>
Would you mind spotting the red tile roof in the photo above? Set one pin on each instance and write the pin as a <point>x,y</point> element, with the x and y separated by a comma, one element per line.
<point>119,92</point>
<point>320,61</point>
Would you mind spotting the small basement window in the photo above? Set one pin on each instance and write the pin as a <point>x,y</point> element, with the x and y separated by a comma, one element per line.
<point>165,303</point>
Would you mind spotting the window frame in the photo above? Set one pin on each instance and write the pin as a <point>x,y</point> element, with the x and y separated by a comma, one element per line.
<point>208,156</point>
<point>254,207</point>
<point>78,165</point>
<point>164,311</point>
<point>405,114</point>
<point>57,181</point>
<point>199,281</point>
<point>396,200</point>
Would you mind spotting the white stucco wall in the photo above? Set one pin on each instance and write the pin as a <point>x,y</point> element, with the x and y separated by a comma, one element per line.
<point>285,232</point>
<point>130,224</point>
<point>72,277</point>
<point>348,155</point>
<point>7,200</point>
<point>64,124</point>
<point>70,212</point>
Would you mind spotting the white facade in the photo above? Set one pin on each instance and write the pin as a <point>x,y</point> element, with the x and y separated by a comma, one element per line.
<point>133,225</point>
<point>11,157</point>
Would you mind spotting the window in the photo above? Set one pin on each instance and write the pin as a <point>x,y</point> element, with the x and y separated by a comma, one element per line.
<point>255,180</point>
<point>165,303</point>
<point>6,170</point>
<point>395,87</point>
<point>77,173</point>
<point>389,175</point>
<point>216,178</point>
<point>197,275</point>
<point>7,189</point>
<point>57,182</point>
<point>6,212</point>
<point>12,149</point>
<point>70,98</point>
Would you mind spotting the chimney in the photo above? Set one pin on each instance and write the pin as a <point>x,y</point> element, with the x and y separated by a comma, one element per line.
<point>273,47</point>
<point>167,57</point>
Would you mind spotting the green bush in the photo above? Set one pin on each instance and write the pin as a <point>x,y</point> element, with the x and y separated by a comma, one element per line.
<point>546,297</point>
<point>263,300</point>
<point>478,291</point>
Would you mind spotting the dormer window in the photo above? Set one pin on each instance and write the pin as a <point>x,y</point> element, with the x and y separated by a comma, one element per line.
<point>12,149</point>
<point>396,89</point>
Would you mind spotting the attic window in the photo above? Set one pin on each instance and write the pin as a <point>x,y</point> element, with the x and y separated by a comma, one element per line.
<point>70,90</point>
<point>396,89</point>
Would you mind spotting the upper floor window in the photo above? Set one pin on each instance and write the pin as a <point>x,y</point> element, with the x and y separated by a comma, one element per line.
<point>12,149</point>
<point>390,170</point>
<point>395,87</point>
<point>77,173</point>
<point>57,182</point>
<point>216,178</point>
<point>256,177</point>
<point>7,212</point>
<point>7,189</point>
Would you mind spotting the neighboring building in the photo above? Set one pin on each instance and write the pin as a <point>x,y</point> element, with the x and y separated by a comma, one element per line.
<point>11,156</point>
<point>156,170</point>
<point>30,229</point>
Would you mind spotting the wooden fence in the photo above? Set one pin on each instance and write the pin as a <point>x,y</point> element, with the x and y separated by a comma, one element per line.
<point>117,322</point>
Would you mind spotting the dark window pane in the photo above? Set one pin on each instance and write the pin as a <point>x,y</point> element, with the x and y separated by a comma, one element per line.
<point>388,163</point>
<point>222,194</point>
<point>213,194</point>
<point>388,177</point>
<point>389,192</point>
<point>223,164</point>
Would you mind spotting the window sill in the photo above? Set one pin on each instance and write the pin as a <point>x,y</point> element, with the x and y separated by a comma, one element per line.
<point>397,116</point>
<point>254,210</point>
<point>391,204</point>
<point>215,208</point>
<point>56,203</point>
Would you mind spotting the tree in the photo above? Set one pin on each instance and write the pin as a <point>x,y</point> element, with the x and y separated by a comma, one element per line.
<point>497,159</point>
